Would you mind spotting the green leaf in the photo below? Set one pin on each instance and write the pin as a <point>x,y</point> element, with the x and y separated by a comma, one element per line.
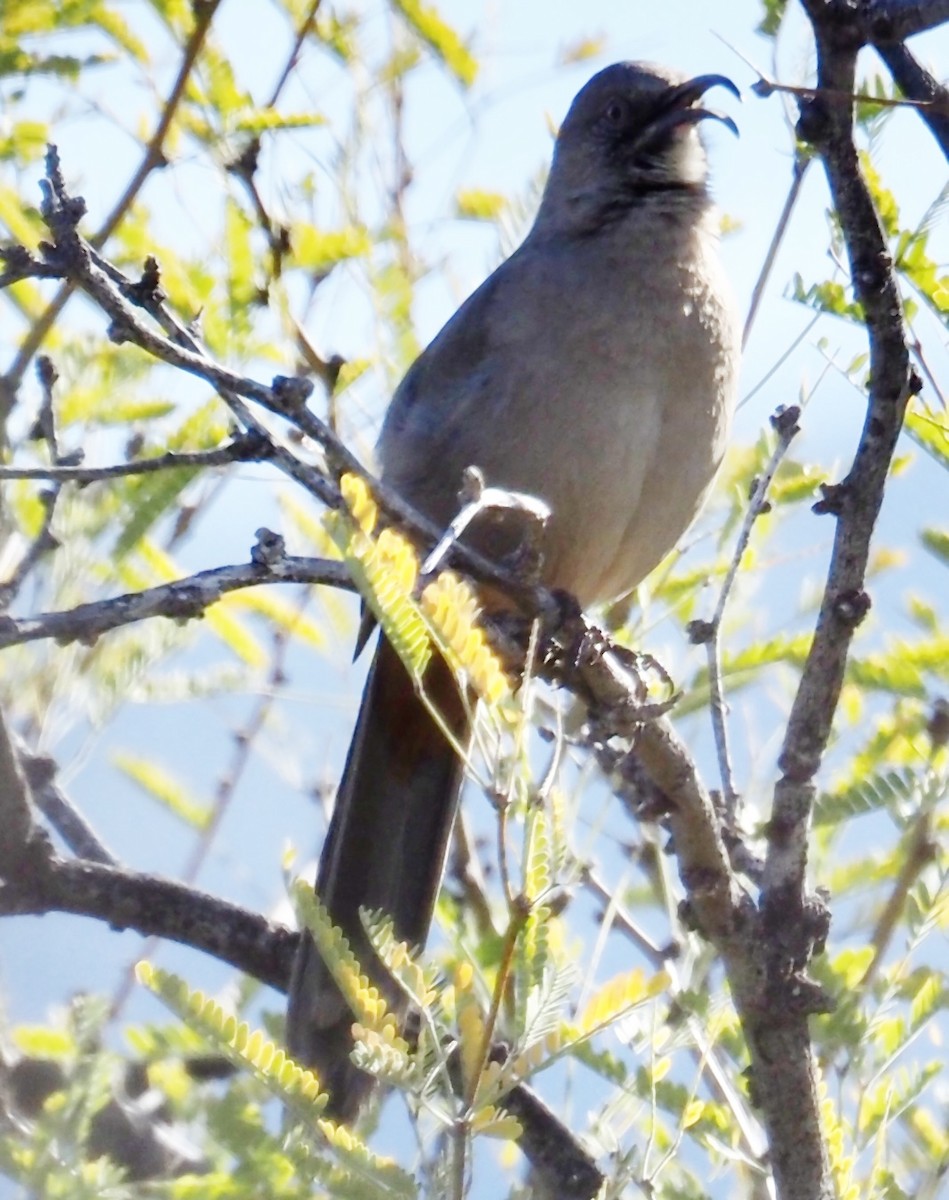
<point>772,16</point>
<point>242,288</point>
<point>159,783</point>
<point>24,142</point>
<point>428,24</point>
<point>43,1041</point>
<point>929,429</point>
<point>317,250</point>
<point>104,406</point>
<point>936,542</point>
<point>283,615</point>
<point>478,205</point>
<point>830,297</point>
<point>581,50</point>
<point>893,672</point>
<point>887,208</point>
<point>150,497</point>
<point>886,790</point>
<point>263,120</point>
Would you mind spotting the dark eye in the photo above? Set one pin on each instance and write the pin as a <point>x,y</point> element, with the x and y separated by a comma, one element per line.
<point>616,111</point>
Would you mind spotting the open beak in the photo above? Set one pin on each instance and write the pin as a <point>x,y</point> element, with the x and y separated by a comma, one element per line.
<point>678,106</point>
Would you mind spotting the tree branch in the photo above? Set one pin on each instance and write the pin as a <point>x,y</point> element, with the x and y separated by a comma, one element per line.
<point>59,810</point>
<point>152,157</point>
<point>19,836</point>
<point>181,600</point>
<point>708,633</point>
<point>915,82</point>
<point>890,21</point>
<point>155,907</point>
<point>247,448</point>
<point>793,927</point>
<point>856,501</point>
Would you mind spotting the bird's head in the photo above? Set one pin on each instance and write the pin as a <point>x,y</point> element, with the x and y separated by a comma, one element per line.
<point>630,134</point>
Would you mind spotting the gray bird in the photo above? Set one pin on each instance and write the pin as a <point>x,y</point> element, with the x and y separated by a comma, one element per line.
<point>596,369</point>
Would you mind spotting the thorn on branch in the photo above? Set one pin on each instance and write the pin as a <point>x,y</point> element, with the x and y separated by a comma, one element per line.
<point>45,427</point>
<point>252,446</point>
<point>764,506</point>
<point>20,264</point>
<point>794,932</point>
<point>915,384</point>
<point>833,499</point>
<point>61,212</point>
<point>700,633</point>
<point>147,292</point>
<point>785,421</point>
<point>244,166</point>
<point>852,607</point>
<point>120,330</point>
<point>291,392</point>
<point>269,548</point>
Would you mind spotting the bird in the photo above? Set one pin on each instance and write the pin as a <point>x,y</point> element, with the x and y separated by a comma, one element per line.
<point>596,369</point>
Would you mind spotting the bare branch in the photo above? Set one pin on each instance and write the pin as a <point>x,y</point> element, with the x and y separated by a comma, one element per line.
<point>18,832</point>
<point>152,158</point>
<point>600,675</point>
<point>247,448</point>
<point>797,179</point>
<point>916,83</point>
<point>793,927</point>
<point>284,397</point>
<point>156,907</point>
<point>22,265</point>
<point>883,22</point>
<point>856,501</point>
<point>565,1168</point>
<point>38,547</point>
<point>181,600</point>
<point>842,98</point>
<point>59,810</point>
<point>708,633</point>
<point>44,540</point>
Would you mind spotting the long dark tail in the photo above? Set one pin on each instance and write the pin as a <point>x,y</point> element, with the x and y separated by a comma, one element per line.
<point>385,849</point>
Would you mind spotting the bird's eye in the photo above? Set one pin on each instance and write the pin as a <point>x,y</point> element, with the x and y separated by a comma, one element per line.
<point>615,111</point>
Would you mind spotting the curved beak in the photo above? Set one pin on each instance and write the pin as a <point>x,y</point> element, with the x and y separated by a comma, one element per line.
<point>679,108</point>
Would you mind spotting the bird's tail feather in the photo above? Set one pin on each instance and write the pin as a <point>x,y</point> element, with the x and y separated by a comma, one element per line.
<point>385,849</point>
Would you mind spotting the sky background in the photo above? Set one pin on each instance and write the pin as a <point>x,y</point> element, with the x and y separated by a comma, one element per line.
<point>498,137</point>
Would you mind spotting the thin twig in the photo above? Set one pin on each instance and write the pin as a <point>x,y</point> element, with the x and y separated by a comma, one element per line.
<point>59,810</point>
<point>241,449</point>
<point>152,158</point>
<point>781,359</point>
<point>302,34</point>
<point>180,600</point>
<point>784,422</point>
<point>916,348</point>
<point>44,541</point>
<point>797,178</point>
<point>623,919</point>
<point>837,96</point>
<point>921,849</point>
<point>916,83</point>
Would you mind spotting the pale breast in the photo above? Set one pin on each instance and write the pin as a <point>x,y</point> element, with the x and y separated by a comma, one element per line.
<point>585,376</point>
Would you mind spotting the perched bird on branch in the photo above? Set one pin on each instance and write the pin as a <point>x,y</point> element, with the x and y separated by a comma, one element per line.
<point>596,369</point>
